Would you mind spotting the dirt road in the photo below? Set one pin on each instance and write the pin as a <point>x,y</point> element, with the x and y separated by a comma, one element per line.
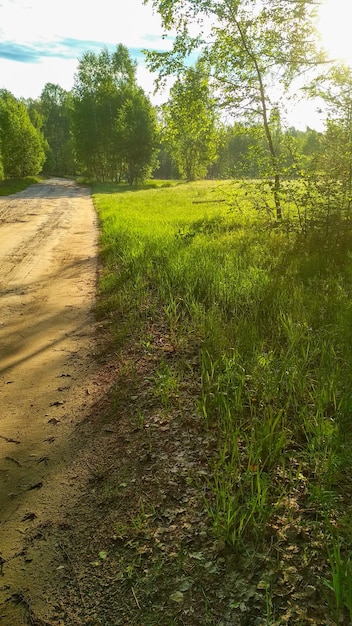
<point>48,257</point>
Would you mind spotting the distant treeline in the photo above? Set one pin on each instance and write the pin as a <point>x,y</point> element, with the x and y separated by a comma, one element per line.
<point>107,129</point>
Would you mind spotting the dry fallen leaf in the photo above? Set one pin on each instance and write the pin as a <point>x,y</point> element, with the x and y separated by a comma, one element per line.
<point>177,597</point>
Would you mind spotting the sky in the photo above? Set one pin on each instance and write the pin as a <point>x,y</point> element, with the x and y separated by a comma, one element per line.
<point>41,41</point>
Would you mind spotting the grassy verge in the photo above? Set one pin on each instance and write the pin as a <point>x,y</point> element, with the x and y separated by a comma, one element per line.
<point>14,185</point>
<point>247,332</point>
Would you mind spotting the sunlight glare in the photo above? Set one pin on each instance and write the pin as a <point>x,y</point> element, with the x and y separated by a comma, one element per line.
<point>335,28</point>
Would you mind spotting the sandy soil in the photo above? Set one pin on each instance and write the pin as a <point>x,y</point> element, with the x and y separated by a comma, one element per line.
<point>48,261</point>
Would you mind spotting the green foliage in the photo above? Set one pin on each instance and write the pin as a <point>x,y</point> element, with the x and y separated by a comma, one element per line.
<point>136,132</point>
<point>241,151</point>
<point>262,318</point>
<point>340,581</point>
<point>189,124</point>
<point>337,156</point>
<point>14,185</point>
<point>253,53</point>
<point>97,96</point>
<point>21,144</point>
<point>57,109</point>
<point>114,125</point>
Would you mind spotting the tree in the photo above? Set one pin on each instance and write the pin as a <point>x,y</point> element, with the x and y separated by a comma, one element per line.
<point>21,144</point>
<point>240,151</point>
<point>255,50</point>
<point>98,94</point>
<point>189,124</point>
<point>34,111</point>
<point>303,150</point>
<point>136,135</point>
<point>336,161</point>
<point>56,108</point>
<point>114,122</point>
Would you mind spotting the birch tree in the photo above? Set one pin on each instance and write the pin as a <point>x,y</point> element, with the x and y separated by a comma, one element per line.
<point>255,49</point>
<point>189,124</point>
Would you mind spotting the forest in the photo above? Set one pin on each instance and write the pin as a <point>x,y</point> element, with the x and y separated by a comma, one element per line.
<point>106,129</point>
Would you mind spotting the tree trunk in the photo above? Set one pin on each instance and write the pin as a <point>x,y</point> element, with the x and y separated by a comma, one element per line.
<point>263,100</point>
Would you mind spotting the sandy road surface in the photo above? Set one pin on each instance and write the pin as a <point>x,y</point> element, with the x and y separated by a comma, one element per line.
<point>47,283</point>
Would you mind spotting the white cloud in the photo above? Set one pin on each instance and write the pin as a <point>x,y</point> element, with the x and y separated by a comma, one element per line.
<point>26,80</point>
<point>114,21</point>
<point>41,41</point>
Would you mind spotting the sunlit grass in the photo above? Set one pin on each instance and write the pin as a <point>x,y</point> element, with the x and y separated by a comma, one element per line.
<point>264,316</point>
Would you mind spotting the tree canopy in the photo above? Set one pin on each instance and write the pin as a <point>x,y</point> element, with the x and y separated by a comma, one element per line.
<point>189,123</point>
<point>107,102</point>
<point>136,134</point>
<point>254,51</point>
<point>56,108</point>
<point>21,144</point>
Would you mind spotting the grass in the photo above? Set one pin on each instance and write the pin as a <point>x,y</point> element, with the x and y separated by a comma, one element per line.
<point>340,583</point>
<point>14,185</point>
<point>260,317</point>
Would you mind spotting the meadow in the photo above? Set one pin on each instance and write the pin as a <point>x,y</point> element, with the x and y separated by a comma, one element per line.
<point>255,320</point>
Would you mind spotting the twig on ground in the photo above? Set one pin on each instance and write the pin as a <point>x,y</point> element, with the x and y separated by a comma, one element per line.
<point>69,560</point>
<point>136,599</point>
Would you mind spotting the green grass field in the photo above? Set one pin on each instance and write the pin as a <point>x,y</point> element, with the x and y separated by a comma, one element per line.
<point>259,320</point>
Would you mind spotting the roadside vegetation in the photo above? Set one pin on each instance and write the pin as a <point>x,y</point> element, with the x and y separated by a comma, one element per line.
<point>234,339</point>
<point>14,185</point>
